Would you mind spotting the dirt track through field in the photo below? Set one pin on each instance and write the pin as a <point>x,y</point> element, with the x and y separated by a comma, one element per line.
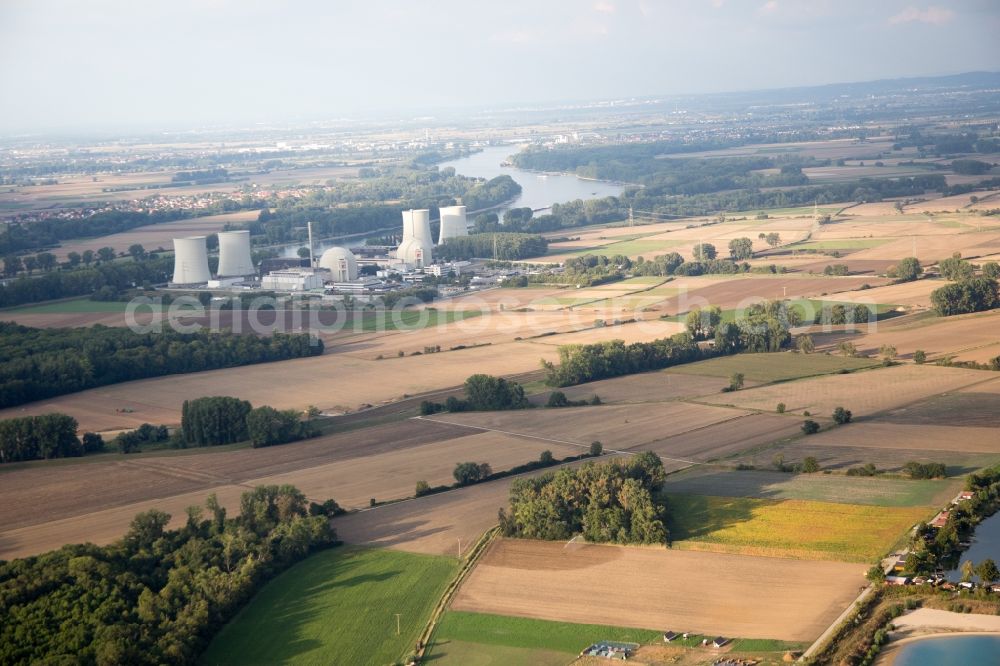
<point>657,588</point>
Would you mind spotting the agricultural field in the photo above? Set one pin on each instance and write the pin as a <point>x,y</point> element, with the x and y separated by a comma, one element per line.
<point>936,336</point>
<point>882,389</point>
<point>342,602</point>
<point>650,587</point>
<point>788,528</point>
<point>383,463</point>
<point>761,484</point>
<point>766,368</point>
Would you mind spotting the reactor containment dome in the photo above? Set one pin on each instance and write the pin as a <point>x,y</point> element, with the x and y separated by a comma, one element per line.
<point>417,248</point>
<point>341,262</point>
<point>234,254</point>
<point>191,261</point>
<point>453,223</point>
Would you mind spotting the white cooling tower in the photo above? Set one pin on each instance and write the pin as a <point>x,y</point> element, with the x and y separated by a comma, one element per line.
<point>417,248</point>
<point>341,262</point>
<point>422,225</point>
<point>191,261</point>
<point>234,254</point>
<point>453,223</point>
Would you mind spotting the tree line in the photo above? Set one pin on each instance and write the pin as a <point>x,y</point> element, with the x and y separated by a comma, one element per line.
<point>218,420</point>
<point>156,596</point>
<point>44,437</point>
<point>502,246</point>
<point>42,363</point>
<point>612,502</point>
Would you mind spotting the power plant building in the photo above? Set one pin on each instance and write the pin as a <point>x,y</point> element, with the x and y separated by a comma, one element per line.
<point>191,261</point>
<point>234,254</point>
<point>453,223</point>
<point>417,248</point>
<point>292,279</point>
<point>341,263</point>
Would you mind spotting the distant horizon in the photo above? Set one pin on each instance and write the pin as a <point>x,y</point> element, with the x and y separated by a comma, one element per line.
<point>432,115</point>
<point>67,65</point>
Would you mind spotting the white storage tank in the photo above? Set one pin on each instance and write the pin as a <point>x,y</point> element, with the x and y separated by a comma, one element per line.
<point>191,261</point>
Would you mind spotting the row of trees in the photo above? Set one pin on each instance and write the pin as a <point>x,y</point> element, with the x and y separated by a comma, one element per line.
<point>217,420</point>
<point>613,502</point>
<point>42,363</point>
<point>482,393</point>
<point>974,294</point>
<point>586,363</point>
<point>501,246</point>
<point>157,596</point>
<point>111,277</point>
<point>43,437</point>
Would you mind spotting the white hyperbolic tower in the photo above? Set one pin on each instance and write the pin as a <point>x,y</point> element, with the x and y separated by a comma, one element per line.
<point>191,261</point>
<point>234,254</point>
<point>453,223</point>
<point>417,248</point>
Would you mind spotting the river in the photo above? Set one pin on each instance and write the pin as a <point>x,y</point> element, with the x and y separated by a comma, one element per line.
<point>538,190</point>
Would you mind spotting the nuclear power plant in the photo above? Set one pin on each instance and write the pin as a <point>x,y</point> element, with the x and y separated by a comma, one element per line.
<point>191,261</point>
<point>417,248</point>
<point>234,254</point>
<point>453,223</point>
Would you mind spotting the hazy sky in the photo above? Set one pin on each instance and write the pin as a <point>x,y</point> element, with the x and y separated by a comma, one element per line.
<point>125,63</point>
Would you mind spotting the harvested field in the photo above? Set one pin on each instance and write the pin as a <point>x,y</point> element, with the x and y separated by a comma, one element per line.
<point>913,294</point>
<point>788,528</point>
<point>435,525</point>
<point>725,439</point>
<point>616,426</point>
<point>383,462</point>
<point>330,381</point>
<point>937,336</point>
<point>645,387</point>
<point>814,487</point>
<point>966,408</point>
<point>660,588</point>
<point>771,367</point>
<point>744,291</point>
<point>879,434</point>
<point>865,393</point>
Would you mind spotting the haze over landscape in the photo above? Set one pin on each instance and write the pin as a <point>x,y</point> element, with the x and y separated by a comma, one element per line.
<point>518,333</point>
<point>114,64</point>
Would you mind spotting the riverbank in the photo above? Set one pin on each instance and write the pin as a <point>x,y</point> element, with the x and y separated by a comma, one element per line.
<point>930,623</point>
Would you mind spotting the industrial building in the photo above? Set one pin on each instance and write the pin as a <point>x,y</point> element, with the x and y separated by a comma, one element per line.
<point>191,261</point>
<point>234,254</point>
<point>417,248</point>
<point>292,279</point>
<point>341,263</point>
<point>453,223</point>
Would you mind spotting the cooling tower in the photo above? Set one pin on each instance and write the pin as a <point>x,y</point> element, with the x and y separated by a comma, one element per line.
<point>417,248</point>
<point>453,223</point>
<point>422,225</point>
<point>341,262</point>
<point>234,254</point>
<point>191,261</point>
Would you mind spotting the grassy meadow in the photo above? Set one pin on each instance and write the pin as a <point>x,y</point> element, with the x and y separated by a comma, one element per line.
<point>338,606</point>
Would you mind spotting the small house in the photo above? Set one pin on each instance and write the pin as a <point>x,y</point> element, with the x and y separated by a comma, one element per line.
<point>670,636</point>
<point>941,519</point>
<point>897,580</point>
<point>719,641</point>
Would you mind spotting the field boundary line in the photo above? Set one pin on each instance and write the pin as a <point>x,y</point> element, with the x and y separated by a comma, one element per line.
<point>830,633</point>
<point>471,559</point>
<point>529,436</point>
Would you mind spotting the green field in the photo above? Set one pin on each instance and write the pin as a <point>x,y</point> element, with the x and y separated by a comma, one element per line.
<point>413,319</point>
<point>505,631</point>
<point>338,606</point>
<point>781,366</point>
<point>75,306</point>
<point>630,247</point>
<point>486,639</point>
<point>876,491</point>
<point>788,528</point>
